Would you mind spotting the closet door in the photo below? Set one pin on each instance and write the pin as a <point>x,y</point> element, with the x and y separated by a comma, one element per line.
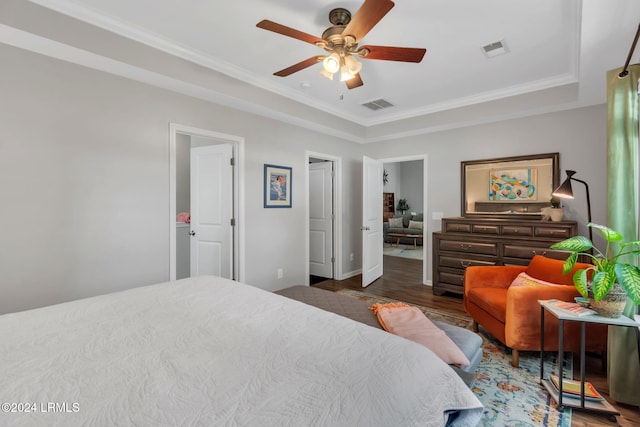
<point>211,211</point>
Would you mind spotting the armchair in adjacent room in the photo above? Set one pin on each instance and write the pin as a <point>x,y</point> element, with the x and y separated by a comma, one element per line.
<point>510,311</point>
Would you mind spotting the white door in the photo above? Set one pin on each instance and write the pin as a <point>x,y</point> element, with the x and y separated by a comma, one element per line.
<point>321,219</point>
<point>371,220</point>
<point>211,211</point>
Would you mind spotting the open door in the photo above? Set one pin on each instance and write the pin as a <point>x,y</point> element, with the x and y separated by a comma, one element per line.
<point>321,219</point>
<point>371,220</point>
<point>211,211</point>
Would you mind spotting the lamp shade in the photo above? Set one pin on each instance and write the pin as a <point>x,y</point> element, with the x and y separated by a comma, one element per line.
<point>353,64</point>
<point>564,190</point>
<point>326,74</point>
<point>331,63</point>
<point>345,74</point>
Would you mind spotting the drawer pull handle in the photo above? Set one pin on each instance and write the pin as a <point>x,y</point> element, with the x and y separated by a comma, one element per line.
<point>465,247</point>
<point>465,264</point>
<point>535,253</point>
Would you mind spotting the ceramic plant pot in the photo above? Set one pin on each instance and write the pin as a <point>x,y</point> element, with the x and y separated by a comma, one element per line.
<point>556,214</point>
<point>612,305</point>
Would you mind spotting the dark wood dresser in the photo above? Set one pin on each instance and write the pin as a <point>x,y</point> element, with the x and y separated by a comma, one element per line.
<point>469,241</point>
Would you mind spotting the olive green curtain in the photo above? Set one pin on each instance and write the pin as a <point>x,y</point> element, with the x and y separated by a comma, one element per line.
<point>622,215</point>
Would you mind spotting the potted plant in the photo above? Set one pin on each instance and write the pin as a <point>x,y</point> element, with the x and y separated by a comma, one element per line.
<point>403,205</point>
<point>608,273</point>
<point>556,212</point>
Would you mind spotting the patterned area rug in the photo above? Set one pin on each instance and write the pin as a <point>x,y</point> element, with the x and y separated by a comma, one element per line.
<point>403,251</point>
<point>511,397</point>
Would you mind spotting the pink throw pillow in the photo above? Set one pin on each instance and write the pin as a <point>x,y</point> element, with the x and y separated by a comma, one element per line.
<point>410,322</point>
<point>524,279</point>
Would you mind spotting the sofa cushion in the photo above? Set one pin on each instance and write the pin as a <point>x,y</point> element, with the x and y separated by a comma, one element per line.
<point>405,220</point>
<point>491,300</point>
<point>418,217</point>
<point>395,223</point>
<point>418,225</point>
<point>398,230</point>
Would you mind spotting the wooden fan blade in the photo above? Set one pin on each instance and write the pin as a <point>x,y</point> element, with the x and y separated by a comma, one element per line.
<point>390,53</point>
<point>299,66</point>
<point>369,14</point>
<point>289,32</point>
<point>355,82</point>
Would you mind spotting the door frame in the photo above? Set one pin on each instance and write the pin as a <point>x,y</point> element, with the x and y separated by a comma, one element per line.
<point>337,212</point>
<point>425,232</point>
<point>237,144</point>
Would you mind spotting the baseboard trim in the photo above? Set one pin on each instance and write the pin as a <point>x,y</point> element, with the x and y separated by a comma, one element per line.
<point>350,274</point>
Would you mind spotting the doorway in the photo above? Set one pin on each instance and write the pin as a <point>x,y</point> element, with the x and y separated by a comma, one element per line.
<point>323,174</point>
<point>205,183</point>
<point>403,195</point>
<point>418,192</point>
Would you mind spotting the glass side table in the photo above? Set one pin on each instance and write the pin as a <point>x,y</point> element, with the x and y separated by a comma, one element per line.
<point>601,406</point>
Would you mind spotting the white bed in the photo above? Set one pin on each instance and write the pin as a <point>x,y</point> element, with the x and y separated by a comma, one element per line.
<point>212,352</point>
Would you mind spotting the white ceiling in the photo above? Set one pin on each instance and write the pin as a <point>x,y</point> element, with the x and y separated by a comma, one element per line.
<point>558,54</point>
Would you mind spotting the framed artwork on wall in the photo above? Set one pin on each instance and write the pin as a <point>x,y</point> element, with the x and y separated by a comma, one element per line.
<point>277,186</point>
<point>513,184</point>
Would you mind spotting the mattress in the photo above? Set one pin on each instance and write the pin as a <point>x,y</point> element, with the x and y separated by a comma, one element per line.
<point>208,351</point>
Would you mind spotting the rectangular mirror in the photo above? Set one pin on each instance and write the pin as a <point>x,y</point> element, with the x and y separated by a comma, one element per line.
<point>509,186</point>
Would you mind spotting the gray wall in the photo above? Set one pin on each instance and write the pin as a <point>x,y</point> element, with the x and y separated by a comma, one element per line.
<point>405,181</point>
<point>579,136</point>
<point>183,173</point>
<point>84,159</point>
<point>84,162</point>
<point>412,184</point>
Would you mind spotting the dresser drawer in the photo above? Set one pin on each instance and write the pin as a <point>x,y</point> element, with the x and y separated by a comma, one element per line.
<point>517,230</point>
<point>452,278</point>
<point>553,232</point>
<point>457,227</point>
<point>469,247</point>
<point>528,252</point>
<point>462,263</point>
<point>486,229</point>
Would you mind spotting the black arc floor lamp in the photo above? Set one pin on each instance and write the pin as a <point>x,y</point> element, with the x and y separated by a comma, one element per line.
<point>565,191</point>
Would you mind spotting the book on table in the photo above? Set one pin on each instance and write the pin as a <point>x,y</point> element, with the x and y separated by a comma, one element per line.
<point>571,388</point>
<point>570,307</point>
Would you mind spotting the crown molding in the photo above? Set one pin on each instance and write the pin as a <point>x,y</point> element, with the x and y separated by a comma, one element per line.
<point>44,46</point>
<point>83,13</point>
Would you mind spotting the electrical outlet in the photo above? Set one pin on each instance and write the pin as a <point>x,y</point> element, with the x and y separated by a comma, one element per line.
<point>280,273</point>
<point>351,257</point>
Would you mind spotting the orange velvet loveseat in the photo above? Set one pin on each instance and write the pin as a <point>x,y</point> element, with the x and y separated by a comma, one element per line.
<point>512,313</point>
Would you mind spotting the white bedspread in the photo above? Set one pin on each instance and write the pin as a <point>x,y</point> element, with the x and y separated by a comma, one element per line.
<point>212,352</point>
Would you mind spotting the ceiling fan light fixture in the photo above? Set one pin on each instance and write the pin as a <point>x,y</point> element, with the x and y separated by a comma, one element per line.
<point>345,73</point>
<point>326,74</point>
<point>353,65</point>
<point>331,63</point>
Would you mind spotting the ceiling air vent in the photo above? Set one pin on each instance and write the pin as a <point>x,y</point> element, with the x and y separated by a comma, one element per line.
<point>495,49</point>
<point>378,104</point>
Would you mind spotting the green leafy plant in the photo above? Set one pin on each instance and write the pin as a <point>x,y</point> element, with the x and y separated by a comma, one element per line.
<point>555,202</point>
<point>403,205</point>
<point>606,268</point>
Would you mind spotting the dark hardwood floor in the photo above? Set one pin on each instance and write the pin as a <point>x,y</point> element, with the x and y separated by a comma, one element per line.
<point>402,280</point>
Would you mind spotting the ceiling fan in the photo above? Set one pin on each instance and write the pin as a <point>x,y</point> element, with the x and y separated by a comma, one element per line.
<point>341,42</point>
